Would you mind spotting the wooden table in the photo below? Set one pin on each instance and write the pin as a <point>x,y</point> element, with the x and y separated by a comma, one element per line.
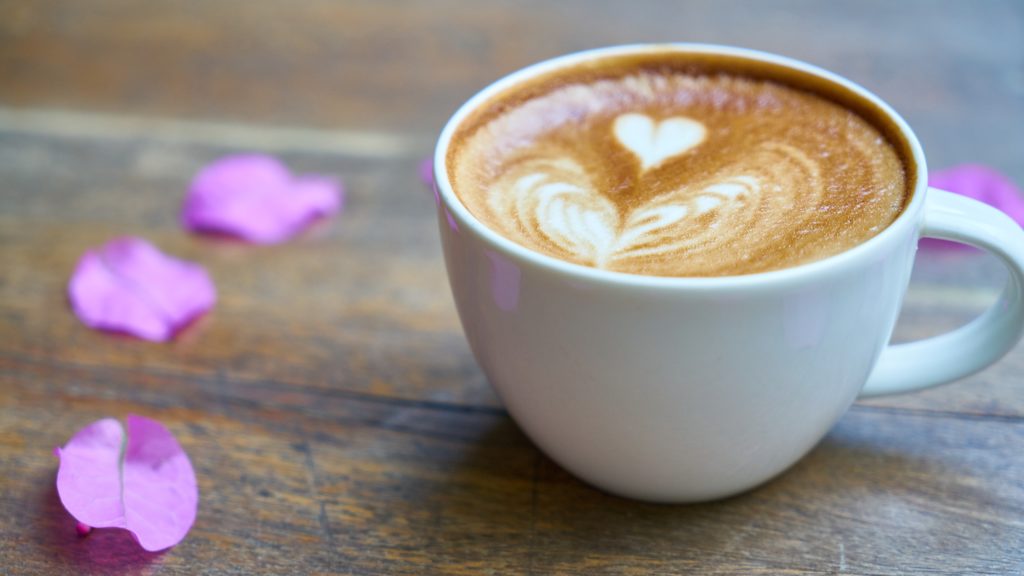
<point>335,416</point>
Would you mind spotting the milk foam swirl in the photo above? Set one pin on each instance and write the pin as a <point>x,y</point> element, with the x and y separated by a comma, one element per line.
<point>670,174</point>
<point>558,208</point>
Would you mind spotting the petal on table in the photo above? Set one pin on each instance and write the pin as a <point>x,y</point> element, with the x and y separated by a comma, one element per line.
<point>426,171</point>
<point>984,184</point>
<point>129,286</point>
<point>980,183</point>
<point>160,493</point>
<point>143,483</point>
<point>256,198</point>
<point>89,477</point>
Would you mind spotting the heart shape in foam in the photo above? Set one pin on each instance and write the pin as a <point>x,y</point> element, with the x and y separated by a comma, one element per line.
<point>574,217</point>
<point>654,142</point>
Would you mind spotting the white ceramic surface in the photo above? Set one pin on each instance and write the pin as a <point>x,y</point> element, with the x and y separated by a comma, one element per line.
<point>690,389</point>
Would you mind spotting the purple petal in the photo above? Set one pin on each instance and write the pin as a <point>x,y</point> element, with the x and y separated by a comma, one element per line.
<point>256,198</point>
<point>89,477</point>
<point>145,485</point>
<point>129,286</point>
<point>160,492</point>
<point>984,184</point>
<point>427,171</point>
<point>980,183</point>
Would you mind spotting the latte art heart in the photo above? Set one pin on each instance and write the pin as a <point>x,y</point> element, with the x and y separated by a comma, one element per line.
<point>654,142</point>
<point>557,207</point>
<point>662,172</point>
<point>564,213</point>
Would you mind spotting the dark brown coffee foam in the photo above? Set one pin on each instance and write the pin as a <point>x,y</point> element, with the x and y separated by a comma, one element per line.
<point>673,165</point>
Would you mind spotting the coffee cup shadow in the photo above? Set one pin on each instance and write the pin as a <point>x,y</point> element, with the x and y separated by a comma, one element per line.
<point>847,482</point>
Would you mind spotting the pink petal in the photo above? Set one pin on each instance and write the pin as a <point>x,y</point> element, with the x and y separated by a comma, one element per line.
<point>984,184</point>
<point>980,183</point>
<point>129,286</point>
<point>160,492</point>
<point>427,171</point>
<point>89,477</point>
<point>256,198</point>
<point>148,489</point>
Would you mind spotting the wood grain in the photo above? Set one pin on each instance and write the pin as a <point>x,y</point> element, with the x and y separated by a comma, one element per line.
<point>336,418</point>
<point>369,486</point>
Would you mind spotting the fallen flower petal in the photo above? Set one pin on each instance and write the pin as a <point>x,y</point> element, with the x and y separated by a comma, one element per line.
<point>256,198</point>
<point>984,184</point>
<point>144,484</point>
<point>426,170</point>
<point>129,286</point>
<point>89,477</point>
<point>980,183</point>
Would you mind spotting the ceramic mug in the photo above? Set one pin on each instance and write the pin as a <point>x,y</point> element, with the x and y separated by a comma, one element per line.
<point>690,389</point>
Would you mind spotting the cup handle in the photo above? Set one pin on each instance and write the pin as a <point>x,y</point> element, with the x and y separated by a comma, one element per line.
<point>966,350</point>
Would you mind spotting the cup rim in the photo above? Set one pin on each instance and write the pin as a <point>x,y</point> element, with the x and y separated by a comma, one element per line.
<point>464,219</point>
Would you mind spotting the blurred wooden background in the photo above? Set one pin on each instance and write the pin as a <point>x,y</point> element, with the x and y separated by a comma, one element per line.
<point>330,405</point>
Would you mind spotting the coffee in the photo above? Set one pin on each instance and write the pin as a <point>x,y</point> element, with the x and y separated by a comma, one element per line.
<point>680,165</point>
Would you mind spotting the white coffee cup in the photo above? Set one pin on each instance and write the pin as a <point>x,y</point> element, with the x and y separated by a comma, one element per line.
<point>690,389</point>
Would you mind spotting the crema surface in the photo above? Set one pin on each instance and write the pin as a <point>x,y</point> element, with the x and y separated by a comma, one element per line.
<point>673,173</point>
